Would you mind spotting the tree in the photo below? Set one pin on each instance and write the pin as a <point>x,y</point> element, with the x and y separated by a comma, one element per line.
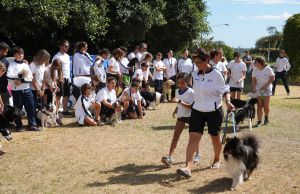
<point>291,43</point>
<point>36,24</point>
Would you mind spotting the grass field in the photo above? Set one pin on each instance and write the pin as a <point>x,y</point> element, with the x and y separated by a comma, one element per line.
<point>126,158</point>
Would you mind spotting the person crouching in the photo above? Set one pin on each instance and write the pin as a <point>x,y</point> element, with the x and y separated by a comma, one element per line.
<point>84,106</point>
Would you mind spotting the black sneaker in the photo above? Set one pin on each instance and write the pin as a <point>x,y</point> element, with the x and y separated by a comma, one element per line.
<point>35,128</point>
<point>257,124</point>
<point>266,121</point>
<point>20,129</point>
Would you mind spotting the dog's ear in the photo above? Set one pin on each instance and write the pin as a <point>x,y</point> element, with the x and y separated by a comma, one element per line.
<point>227,139</point>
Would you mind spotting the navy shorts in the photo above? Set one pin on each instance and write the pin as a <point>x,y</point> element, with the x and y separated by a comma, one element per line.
<point>212,119</point>
<point>233,89</point>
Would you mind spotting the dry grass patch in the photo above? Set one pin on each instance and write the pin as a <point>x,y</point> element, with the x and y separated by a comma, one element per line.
<point>126,159</point>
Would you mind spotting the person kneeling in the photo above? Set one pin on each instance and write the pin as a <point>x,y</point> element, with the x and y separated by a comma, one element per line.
<point>132,101</point>
<point>110,109</point>
<point>84,106</point>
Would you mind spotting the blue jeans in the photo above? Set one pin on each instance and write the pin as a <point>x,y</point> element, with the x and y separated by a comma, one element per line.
<point>24,98</point>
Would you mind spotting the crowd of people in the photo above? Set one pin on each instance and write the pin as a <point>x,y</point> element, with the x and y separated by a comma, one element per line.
<point>119,84</point>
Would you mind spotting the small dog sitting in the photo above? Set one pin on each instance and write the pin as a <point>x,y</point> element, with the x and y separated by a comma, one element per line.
<point>241,156</point>
<point>117,116</point>
<point>166,86</point>
<point>44,116</point>
<point>244,110</point>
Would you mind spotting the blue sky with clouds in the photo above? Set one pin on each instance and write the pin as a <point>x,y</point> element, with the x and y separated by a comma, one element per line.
<point>248,19</point>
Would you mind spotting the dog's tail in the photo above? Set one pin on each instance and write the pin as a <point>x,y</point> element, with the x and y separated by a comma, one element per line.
<point>251,141</point>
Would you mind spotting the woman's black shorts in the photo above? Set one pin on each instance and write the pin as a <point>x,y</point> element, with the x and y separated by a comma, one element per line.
<point>212,119</point>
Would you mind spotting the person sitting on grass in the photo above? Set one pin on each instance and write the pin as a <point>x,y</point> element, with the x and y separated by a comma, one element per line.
<point>84,106</point>
<point>107,99</point>
<point>132,100</point>
<point>185,99</point>
<point>262,78</point>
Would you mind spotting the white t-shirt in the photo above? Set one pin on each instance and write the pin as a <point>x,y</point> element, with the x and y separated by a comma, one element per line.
<point>170,63</point>
<point>13,71</point>
<point>136,96</point>
<point>131,55</point>
<point>124,66</point>
<point>80,113</point>
<point>99,71</point>
<point>185,66</point>
<point>115,66</point>
<point>187,97</point>
<point>262,77</point>
<point>236,73</point>
<point>47,76</point>
<point>105,94</point>
<point>219,66</point>
<point>282,64</point>
<point>209,89</point>
<point>159,75</point>
<point>82,64</point>
<point>66,63</point>
<point>39,71</point>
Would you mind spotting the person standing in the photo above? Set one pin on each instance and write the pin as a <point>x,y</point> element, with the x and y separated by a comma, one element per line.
<point>209,87</point>
<point>159,68</point>
<point>63,56</point>
<point>82,61</point>
<point>237,69</point>
<point>113,69</point>
<point>171,65</point>
<point>20,77</point>
<point>282,66</point>
<point>215,61</point>
<point>4,48</point>
<point>247,59</point>
<point>262,78</point>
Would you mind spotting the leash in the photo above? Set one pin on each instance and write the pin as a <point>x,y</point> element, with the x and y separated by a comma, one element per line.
<point>226,126</point>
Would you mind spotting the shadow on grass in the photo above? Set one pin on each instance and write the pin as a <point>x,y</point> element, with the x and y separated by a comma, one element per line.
<point>132,174</point>
<point>216,186</point>
<point>292,98</point>
<point>169,127</point>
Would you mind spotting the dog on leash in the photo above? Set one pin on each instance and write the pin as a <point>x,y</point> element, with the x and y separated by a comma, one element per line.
<point>166,86</point>
<point>241,156</point>
<point>7,119</point>
<point>245,109</point>
<point>44,116</point>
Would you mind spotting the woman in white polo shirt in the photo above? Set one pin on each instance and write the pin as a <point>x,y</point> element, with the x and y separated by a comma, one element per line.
<point>82,61</point>
<point>215,61</point>
<point>209,87</point>
<point>113,69</point>
<point>237,73</point>
<point>282,66</point>
<point>262,78</point>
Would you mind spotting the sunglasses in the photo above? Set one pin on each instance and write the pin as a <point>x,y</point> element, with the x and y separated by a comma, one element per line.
<point>66,46</point>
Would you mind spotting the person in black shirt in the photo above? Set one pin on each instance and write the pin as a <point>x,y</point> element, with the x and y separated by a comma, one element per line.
<point>3,68</point>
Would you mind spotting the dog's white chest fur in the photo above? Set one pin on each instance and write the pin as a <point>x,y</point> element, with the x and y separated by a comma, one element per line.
<point>236,169</point>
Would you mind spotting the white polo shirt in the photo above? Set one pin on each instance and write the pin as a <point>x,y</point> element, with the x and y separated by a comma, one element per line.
<point>14,69</point>
<point>282,64</point>
<point>219,66</point>
<point>115,66</point>
<point>262,77</point>
<point>105,94</point>
<point>236,73</point>
<point>209,89</point>
<point>185,66</point>
<point>170,63</point>
<point>158,75</point>
<point>66,63</point>
<point>99,71</point>
<point>82,64</point>
<point>124,66</point>
<point>38,71</point>
<point>136,96</point>
<point>131,55</point>
<point>187,97</point>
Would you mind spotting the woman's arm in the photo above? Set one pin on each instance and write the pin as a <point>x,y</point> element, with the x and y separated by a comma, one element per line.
<point>271,80</point>
<point>186,105</point>
<point>253,84</point>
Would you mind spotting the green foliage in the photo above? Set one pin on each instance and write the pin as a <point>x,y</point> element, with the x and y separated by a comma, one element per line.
<point>291,43</point>
<point>164,24</point>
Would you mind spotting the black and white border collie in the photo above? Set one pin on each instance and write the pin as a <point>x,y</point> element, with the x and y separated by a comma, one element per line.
<point>241,157</point>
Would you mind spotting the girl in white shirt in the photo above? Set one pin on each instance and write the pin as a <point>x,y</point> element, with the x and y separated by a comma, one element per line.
<point>185,99</point>
<point>215,61</point>
<point>209,87</point>
<point>282,66</point>
<point>171,65</point>
<point>113,69</point>
<point>100,71</point>
<point>38,67</point>
<point>159,68</point>
<point>84,106</point>
<point>237,74</point>
<point>142,74</point>
<point>262,78</point>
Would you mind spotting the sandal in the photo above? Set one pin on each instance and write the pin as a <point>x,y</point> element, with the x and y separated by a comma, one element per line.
<point>184,172</point>
<point>216,165</point>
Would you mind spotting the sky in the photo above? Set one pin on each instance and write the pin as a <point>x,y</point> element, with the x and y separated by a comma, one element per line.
<point>247,19</point>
